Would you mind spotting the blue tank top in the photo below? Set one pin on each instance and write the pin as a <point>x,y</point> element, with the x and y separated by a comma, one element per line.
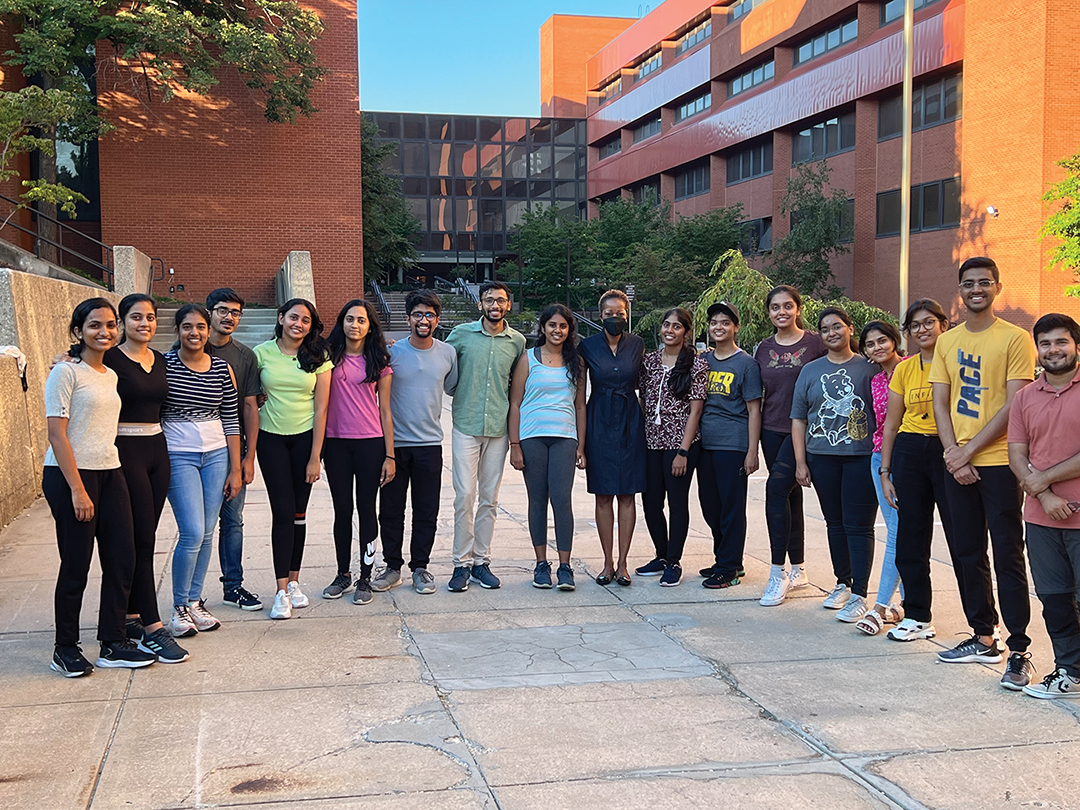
<point>547,409</point>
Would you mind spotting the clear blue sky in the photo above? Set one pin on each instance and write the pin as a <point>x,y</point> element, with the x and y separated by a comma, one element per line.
<point>479,57</point>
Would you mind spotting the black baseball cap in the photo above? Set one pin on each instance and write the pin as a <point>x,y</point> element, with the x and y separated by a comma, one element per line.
<point>726,308</point>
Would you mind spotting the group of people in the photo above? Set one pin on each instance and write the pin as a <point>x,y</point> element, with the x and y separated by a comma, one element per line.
<point>958,425</point>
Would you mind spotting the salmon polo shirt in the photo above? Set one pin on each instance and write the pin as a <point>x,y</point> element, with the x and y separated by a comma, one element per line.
<point>1048,422</point>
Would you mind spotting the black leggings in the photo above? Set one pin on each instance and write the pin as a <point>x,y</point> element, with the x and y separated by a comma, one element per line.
<point>111,525</point>
<point>145,462</point>
<point>668,539</point>
<point>349,463</point>
<point>849,504</point>
<point>283,461</point>
<point>549,477</point>
<point>783,500</point>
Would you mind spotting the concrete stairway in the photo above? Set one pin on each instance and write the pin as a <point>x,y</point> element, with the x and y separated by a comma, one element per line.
<point>256,326</point>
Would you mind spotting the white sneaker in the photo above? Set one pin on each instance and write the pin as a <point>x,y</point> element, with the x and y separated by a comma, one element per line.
<point>798,578</point>
<point>296,596</point>
<point>775,591</point>
<point>282,608</point>
<point>910,630</point>
<point>854,610</point>
<point>203,618</point>
<point>838,598</point>
<point>181,625</point>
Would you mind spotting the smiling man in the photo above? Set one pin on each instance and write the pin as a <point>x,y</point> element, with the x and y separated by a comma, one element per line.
<point>978,368</point>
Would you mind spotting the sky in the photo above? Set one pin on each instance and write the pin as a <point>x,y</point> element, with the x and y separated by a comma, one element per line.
<point>466,57</point>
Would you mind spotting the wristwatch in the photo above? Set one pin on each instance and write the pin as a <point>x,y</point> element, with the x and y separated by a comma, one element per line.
<point>884,471</point>
<point>681,452</point>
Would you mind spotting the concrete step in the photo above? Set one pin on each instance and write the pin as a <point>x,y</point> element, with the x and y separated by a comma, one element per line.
<point>255,327</point>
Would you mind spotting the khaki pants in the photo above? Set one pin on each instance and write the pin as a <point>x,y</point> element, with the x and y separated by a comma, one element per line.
<point>478,465</point>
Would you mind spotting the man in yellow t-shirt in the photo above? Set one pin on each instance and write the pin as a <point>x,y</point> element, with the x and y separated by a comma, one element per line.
<point>978,368</point>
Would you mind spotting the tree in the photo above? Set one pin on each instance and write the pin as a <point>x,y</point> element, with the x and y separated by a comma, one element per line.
<point>545,240</point>
<point>1063,224</point>
<point>819,222</point>
<point>389,224</point>
<point>702,239</point>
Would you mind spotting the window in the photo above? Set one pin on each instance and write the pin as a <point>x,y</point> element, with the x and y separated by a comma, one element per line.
<point>826,41</point>
<point>647,129</point>
<point>691,181</point>
<point>647,193</point>
<point>693,107</point>
<point>612,146</point>
<point>756,236</point>
<point>744,7</point>
<point>751,78</point>
<point>610,90</point>
<point>894,9</point>
<point>650,65</point>
<point>933,206</point>
<point>824,139</point>
<point>932,103</point>
<point>753,161</point>
<point>699,33</point>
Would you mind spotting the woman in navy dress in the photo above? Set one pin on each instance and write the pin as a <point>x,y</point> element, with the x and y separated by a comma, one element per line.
<point>615,436</point>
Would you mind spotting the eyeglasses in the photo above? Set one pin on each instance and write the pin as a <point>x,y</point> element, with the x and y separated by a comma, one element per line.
<point>982,284</point>
<point>496,302</point>
<point>835,328</point>
<point>922,326</point>
<point>424,316</point>
<point>225,312</point>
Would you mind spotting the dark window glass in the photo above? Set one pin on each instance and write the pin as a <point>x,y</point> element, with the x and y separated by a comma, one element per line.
<point>516,188</point>
<point>490,129</point>
<point>950,202</point>
<point>751,78</point>
<point>491,188</point>
<point>647,192</point>
<point>466,214</point>
<point>491,215</point>
<point>540,188</point>
<point>391,163</point>
<point>931,104</point>
<point>888,213</point>
<point>465,188</point>
<point>516,161</point>
<point>419,210</point>
<point>490,160</point>
<point>916,107</point>
<point>565,131</point>
<point>465,159</point>
<point>890,115</point>
<point>647,129</point>
<point>692,181</point>
<point>465,241</point>
<point>439,241</point>
<point>756,236</point>
<point>414,158</point>
<point>951,103</point>
<point>566,190</point>
<point>414,127</point>
<point>540,161</point>
<point>612,146</point>
<point>931,206</point>
<point>516,129</point>
<point>464,129</point>
<point>439,128</point>
<point>442,214</point>
<point>916,208</point>
<point>565,162</point>
<point>894,9</point>
<point>389,124</point>
<point>847,223</point>
<point>541,131</point>
<point>824,139</point>
<point>751,161</point>
<point>826,41</point>
<point>439,163</point>
<point>442,188</point>
<point>414,186</point>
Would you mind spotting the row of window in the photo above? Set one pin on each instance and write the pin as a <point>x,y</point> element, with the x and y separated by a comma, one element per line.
<point>693,107</point>
<point>610,90</point>
<point>826,41</point>
<point>824,139</point>
<point>752,161</point>
<point>894,9</point>
<point>491,189</point>
<point>650,65</point>
<point>932,103</point>
<point>692,181</point>
<point>751,78</point>
<point>744,7</point>
<point>647,129</point>
<point>933,206</point>
<point>612,146</point>
<point>469,129</point>
<point>699,33</point>
<point>486,160</point>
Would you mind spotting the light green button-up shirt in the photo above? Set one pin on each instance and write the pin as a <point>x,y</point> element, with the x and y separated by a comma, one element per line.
<point>482,398</point>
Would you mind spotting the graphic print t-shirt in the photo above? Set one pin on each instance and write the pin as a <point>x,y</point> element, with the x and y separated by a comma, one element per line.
<point>977,366</point>
<point>835,401</point>
<point>780,367</point>
<point>731,383</point>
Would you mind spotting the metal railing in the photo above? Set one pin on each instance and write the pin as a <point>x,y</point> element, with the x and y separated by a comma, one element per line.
<point>465,290</point>
<point>380,303</point>
<point>583,321</point>
<point>104,262</point>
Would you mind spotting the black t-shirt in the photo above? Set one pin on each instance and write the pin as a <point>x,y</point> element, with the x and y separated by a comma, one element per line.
<point>141,392</point>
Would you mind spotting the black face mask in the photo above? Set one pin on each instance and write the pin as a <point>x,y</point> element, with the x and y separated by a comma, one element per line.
<point>615,326</point>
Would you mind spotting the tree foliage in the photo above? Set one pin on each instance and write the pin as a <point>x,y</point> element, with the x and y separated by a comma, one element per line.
<point>388,222</point>
<point>1063,223</point>
<point>820,220</point>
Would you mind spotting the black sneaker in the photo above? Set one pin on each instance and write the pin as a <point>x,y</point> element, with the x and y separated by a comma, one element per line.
<point>542,574</point>
<point>707,572</point>
<point>68,660</point>
<point>459,580</point>
<point>243,599</point>
<point>654,568</point>
<point>133,626</point>
<point>1017,672</point>
<point>162,644</point>
<point>124,654</point>
<point>718,580</point>
<point>740,572</point>
<point>566,577</point>
<point>362,593</point>
<point>482,574</point>
<point>972,651</point>
<point>672,575</point>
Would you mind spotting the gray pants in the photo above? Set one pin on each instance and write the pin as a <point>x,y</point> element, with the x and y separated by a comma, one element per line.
<point>1055,566</point>
<point>549,475</point>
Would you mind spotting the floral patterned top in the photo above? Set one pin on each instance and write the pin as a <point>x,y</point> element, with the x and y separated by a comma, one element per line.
<point>665,416</point>
<point>879,390</point>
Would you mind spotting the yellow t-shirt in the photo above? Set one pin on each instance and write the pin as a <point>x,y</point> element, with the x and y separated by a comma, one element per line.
<point>978,365</point>
<point>911,380</point>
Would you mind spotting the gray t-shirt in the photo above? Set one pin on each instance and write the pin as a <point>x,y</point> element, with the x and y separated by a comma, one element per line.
<point>835,401</point>
<point>731,383</point>
<point>87,398</point>
<point>245,368</point>
<point>421,377</point>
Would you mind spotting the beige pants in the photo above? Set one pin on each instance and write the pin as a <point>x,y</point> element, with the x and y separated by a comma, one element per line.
<point>478,465</point>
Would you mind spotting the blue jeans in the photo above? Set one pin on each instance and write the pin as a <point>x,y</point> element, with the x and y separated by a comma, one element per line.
<point>196,492</point>
<point>231,540</point>
<point>890,577</point>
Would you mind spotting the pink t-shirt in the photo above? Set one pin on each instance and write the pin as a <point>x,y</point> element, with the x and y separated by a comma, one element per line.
<point>353,412</point>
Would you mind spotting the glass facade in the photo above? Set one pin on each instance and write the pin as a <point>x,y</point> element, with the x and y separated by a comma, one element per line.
<point>469,180</point>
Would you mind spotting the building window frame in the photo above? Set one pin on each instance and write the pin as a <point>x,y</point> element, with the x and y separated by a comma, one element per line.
<point>647,129</point>
<point>744,7</point>
<point>894,9</point>
<point>757,236</point>
<point>610,90</point>
<point>744,158</point>
<point>611,147</point>
<point>751,78</point>
<point>826,41</point>
<point>694,106</point>
<point>692,180</point>
<point>943,213</point>
<point>699,33</point>
<point>845,138</point>
<point>943,85</point>
<point>650,64</point>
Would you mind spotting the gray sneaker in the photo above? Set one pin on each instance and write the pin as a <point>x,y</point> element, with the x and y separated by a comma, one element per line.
<point>362,594</point>
<point>340,585</point>
<point>1017,672</point>
<point>385,579</point>
<point>423,581</point>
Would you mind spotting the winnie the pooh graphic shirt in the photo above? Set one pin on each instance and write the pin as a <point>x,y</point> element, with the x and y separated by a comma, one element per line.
<point>836,402</point>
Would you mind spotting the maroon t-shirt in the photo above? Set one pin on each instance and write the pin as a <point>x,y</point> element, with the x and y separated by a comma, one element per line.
<point>780,367</point>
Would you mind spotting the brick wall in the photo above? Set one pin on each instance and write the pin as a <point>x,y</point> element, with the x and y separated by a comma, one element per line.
<point>222,195</point>
<point>11,80</point>
<point>566,43</point>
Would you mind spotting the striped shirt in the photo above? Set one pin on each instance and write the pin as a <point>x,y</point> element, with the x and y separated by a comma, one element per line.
<point>201,408</point>
<point>547,408</point>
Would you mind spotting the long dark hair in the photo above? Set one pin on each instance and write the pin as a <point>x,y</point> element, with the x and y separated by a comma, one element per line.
<point>312,352</point>
<point>682,374</point>
<point>888,330</point>
<point>376,357</point>
<point>842,314</point>
<point>570,356</point>
<point>129,301</point>
<point>787,289</point>
<point>79,316</point>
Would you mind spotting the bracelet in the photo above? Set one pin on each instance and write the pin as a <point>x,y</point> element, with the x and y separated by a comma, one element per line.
<point>681,452</point>
<point>392,458</point>
<point>513,443</point>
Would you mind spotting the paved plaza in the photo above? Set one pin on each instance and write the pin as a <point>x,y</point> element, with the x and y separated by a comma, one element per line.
<point>636,697</point>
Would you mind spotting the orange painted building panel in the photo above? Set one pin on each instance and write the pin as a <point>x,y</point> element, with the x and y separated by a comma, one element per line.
<point>566,43</point>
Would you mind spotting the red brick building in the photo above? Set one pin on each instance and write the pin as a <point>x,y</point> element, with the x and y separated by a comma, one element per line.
<point>715,103</point>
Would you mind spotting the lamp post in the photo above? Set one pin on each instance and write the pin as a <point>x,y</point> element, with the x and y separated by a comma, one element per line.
<point>905,153</point>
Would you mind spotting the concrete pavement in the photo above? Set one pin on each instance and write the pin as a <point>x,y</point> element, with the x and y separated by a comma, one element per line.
<point>638,697</point>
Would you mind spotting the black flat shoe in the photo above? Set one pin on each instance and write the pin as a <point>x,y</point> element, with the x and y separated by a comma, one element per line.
<point>605,579</point>
<point>623,579</point>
